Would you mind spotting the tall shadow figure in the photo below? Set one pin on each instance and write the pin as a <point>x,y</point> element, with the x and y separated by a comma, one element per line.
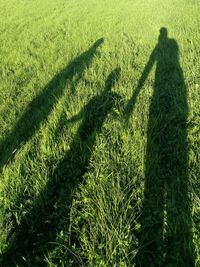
<point>41,106</point>
<point>165,238</point>
<point>51,211</point>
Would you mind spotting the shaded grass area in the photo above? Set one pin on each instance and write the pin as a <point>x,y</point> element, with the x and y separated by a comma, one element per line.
<point>166,227</point>
<point>40,107</point>
<point>99,165</point>
<point>51,206</point>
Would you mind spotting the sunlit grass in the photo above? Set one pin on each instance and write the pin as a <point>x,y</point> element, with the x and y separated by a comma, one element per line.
<point>37,40</point>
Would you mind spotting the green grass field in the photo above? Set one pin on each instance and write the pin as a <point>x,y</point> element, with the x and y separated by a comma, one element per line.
<point>99,133</point>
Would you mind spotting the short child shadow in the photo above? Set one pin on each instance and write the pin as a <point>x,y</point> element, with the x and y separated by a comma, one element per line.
<point>51,211</point>
<point>41,106</point>
<point>165,238</point>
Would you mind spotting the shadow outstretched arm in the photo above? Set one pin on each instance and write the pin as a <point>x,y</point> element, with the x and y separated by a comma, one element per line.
<point>131,103</point>
<point>76,117</point>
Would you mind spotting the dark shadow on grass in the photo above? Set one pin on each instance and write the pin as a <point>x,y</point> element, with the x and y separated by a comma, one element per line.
<point>51,211</point>
<point>165,238</point>
<point>41,106</point>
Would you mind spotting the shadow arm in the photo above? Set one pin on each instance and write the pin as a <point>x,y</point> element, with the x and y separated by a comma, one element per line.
<point>131,103</point>
<point>75,118</point>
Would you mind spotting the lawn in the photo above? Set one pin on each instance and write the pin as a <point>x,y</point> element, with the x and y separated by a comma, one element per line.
<point>99,133</point>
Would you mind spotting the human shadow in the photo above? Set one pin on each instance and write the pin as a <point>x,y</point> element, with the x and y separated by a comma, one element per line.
<point>41,106</point>
<point>165,237</point>
<point>51,211</point>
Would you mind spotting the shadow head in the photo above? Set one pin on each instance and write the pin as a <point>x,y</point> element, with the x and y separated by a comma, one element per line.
<point>163,34</point>
<point>113,77</point>
<point>98,43</point>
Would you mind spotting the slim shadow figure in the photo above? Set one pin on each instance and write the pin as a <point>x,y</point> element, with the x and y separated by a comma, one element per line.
<point>51,211</point>
<point>41,106</point>
<point>165,238</point>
